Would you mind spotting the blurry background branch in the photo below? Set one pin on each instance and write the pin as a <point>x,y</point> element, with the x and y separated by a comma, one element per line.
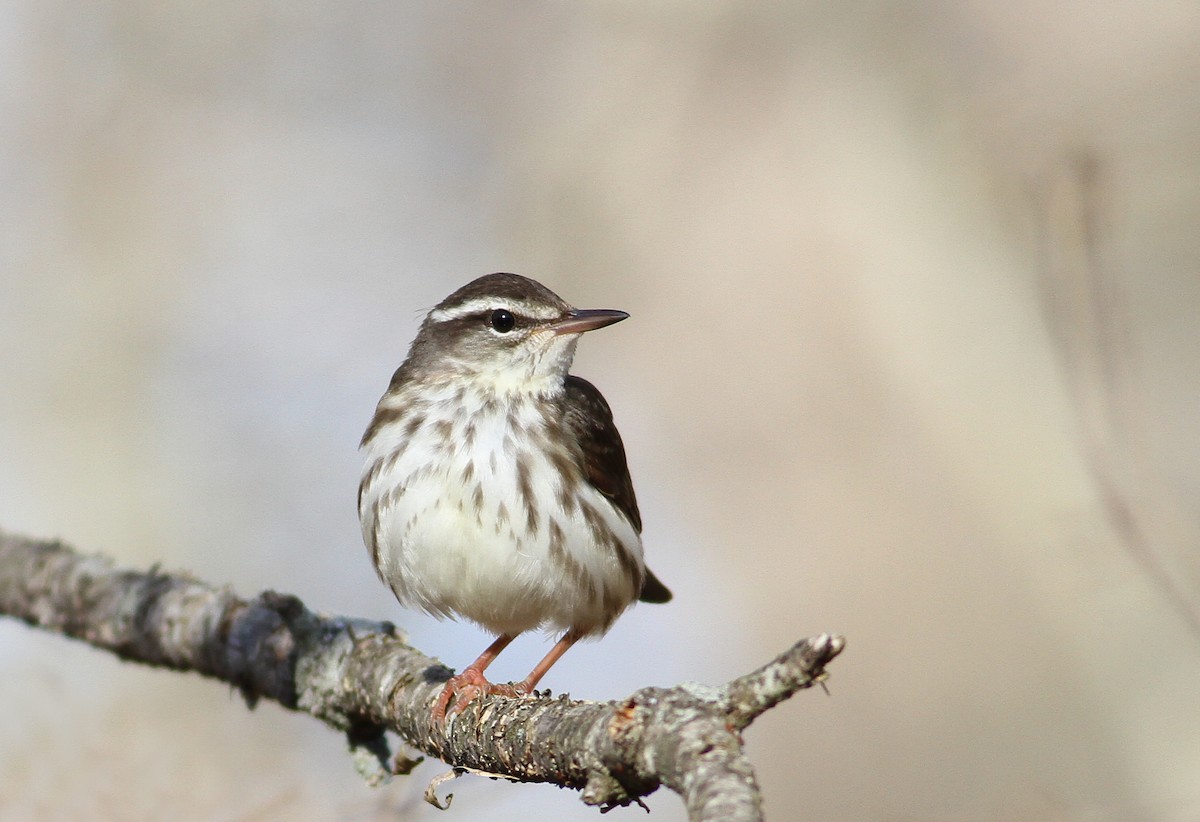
<point>1087,313</point>
<point>360,678</point>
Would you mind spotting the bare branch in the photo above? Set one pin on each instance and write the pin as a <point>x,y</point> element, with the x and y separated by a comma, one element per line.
<point>362,679</point>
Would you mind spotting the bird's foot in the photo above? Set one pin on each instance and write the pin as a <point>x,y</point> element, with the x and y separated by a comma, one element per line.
<point>465,688</point>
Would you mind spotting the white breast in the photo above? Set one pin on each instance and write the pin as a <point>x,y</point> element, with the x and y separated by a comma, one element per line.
<point>454,535</point>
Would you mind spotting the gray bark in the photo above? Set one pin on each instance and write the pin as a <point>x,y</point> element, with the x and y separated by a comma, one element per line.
<point>362,679</point>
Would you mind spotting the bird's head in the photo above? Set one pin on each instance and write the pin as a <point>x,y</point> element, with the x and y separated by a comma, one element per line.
<point>508,332</point>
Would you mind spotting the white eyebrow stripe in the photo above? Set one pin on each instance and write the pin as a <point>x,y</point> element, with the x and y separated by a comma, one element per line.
<point>479,305</point>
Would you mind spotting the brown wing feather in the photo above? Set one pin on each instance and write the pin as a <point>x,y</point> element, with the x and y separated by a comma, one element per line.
<point>588,418</point>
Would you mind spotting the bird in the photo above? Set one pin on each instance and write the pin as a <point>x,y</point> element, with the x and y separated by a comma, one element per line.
<point>495,486</point>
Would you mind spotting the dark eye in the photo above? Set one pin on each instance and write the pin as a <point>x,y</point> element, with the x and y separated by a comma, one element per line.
<point>503,321</point>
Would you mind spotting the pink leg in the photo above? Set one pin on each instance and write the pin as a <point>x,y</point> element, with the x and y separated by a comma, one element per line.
<point>472,684</point>
<point>530,682</point>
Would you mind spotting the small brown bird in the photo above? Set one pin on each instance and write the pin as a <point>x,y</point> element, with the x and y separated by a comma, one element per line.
<point>495,486</point>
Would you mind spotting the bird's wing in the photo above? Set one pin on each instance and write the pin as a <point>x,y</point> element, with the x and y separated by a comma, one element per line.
<point>588,419</point>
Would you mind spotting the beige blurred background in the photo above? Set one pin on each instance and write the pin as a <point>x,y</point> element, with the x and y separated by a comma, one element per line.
<point>915,293</point>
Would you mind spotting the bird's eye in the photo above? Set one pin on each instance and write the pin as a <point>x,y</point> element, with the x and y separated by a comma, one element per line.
<point>503,321</point>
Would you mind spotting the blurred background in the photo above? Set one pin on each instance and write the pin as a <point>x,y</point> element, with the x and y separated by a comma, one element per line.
<point>916,311</point>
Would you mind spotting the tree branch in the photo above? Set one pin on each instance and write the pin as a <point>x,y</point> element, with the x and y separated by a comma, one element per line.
<point>360,678</point>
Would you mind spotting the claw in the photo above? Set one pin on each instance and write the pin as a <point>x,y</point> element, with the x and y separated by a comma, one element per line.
<point>471,684</point>
<point>464,689</point>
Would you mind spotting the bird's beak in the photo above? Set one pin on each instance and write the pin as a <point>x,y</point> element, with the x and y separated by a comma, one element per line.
<point>586,319</point>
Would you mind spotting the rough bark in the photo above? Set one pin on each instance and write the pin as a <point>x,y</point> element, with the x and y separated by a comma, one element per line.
<point>362,679</point>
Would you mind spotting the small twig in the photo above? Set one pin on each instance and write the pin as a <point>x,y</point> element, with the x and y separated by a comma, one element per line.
<point>747,697</point>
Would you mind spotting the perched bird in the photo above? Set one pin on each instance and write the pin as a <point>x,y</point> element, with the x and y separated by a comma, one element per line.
<point>495,486</point>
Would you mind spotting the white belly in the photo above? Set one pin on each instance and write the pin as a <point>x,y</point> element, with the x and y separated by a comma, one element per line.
<point>455,537</point>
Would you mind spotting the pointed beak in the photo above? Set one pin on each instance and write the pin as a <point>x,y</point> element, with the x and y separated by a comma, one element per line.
<point>587,319</point>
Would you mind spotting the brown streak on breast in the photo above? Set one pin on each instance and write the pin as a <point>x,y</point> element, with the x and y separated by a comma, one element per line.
<point>605,537</point>
<point>582,579</point>
<point>568,479</point>
<point>525,489</point>
<point>384,415</point>
<point>477,502</point>
<point>413,425</point>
